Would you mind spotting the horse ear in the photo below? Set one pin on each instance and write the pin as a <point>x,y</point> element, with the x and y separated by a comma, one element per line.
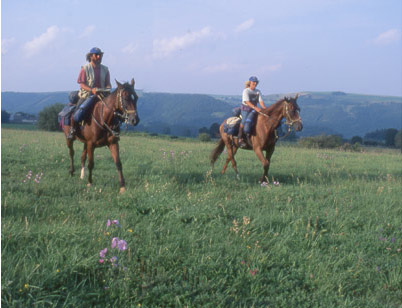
<point>132,82</point>
<point>297,95</point>
<point>118,83</point>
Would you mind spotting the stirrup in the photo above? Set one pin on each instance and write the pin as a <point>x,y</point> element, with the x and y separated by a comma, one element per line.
<point>71,133</point>
<point>242,144</point>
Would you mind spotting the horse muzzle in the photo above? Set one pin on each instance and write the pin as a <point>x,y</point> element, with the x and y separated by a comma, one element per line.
<point>134,120</point>
<point>298,126</point>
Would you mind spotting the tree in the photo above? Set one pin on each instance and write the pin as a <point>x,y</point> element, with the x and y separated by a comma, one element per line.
<point>398,140</point>
<point>48,117</point>
<point>203,130</point>
<point>5,116</point>
<point>356,139</point>
<point>390,134</point>
<point>214,130</point>
<point>204,137</point>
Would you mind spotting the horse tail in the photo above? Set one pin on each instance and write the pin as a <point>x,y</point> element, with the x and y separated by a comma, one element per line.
<point>217,151</point>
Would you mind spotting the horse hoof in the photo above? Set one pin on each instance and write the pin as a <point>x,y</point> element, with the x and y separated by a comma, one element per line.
<point>122,190</point>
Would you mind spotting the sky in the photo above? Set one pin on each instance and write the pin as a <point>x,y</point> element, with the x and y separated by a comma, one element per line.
<point>206,46</point>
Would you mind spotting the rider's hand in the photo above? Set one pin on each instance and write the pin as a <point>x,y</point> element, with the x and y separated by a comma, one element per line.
<point>94,90</point>
<point>257,109</point>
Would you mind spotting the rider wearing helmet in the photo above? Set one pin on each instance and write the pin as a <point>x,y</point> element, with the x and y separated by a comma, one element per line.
<point>251,97</point>
<point>93,75</point>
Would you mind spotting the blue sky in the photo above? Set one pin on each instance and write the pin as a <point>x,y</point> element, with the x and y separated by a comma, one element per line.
<point>206,46</point>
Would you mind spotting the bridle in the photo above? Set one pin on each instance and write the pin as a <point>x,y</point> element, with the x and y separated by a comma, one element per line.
<point>288,120</point>
<point>119,110</point>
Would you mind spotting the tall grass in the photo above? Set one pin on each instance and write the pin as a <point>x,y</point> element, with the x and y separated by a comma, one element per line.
<point>329,235</point>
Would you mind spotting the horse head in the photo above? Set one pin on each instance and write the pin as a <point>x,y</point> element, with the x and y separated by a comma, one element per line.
<point>291,113</point>
<point>127,102</point>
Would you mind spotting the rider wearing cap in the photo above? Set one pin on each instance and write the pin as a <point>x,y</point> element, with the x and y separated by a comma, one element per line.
<point>251,97</point>
<point>93,75</point>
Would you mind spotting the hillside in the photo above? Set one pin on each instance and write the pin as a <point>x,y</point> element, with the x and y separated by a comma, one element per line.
<point>183,114</point>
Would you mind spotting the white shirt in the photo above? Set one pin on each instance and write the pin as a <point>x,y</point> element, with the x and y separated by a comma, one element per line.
<point>253,96</point>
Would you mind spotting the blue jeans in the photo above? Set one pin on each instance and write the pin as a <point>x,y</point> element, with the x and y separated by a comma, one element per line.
<point>247,120</point>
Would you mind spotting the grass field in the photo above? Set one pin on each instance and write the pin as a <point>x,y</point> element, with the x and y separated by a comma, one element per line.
<point>329,235</point>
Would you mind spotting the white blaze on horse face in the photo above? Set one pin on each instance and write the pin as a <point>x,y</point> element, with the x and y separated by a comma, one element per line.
<point>82,173</point>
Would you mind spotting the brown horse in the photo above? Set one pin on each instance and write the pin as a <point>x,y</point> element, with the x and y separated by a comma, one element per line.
<point>103,126</point>
<point>264,136</point>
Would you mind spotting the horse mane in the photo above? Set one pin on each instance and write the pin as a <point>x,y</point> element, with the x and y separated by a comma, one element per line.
<point>270,110</point>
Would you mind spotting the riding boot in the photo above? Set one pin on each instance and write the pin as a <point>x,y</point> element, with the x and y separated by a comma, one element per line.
<point>248,137</point>
<point>242,144</point>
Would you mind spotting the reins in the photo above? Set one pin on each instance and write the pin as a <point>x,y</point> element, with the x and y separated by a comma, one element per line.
<point>288,122</point>
<point>117,104</point>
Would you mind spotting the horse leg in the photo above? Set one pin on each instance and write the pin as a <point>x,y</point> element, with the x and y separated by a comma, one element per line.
<point>83,159</point>
<point>265,163</point>
<point>231,153</point>
<point>90,151</point>
<point>268,154</point>
<point>71,154</point>
<point>114,150</point>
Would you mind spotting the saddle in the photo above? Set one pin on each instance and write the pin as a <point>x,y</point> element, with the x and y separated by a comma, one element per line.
<point>231,126</point>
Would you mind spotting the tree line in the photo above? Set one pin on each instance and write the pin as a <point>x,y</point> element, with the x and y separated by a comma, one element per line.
<point>390,137</point>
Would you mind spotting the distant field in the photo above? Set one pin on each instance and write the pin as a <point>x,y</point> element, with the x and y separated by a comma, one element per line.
<point>329,235</point>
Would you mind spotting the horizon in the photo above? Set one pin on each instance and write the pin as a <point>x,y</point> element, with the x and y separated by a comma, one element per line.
<point>301,93</point>
<point>187,47</point>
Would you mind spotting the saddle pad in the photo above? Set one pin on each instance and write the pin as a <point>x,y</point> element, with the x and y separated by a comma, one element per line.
<point>232,121</point>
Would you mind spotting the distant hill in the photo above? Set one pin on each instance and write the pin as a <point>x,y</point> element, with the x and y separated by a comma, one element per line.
<point>183,114</point>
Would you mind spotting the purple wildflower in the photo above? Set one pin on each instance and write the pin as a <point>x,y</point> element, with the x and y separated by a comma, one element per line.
<point>103,252</point>
<point>101,261</point>
<point>108,223</point>
<point>116,222</point>
<point>122,245</point>
<point>113,260</point>
<point>115,240</point>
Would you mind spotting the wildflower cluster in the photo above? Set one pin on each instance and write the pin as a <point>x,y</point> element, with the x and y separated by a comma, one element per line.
<point>115,245</point>
<point>252,271</point>
<point>265,184</point>
<point>390,242</point>
<point>36,179</point>
<point>324,156</point>
<point>241,228</point>
<point>171,154</point>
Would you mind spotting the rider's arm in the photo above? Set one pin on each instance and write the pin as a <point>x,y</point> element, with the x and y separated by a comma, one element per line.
<point>248,103</point>
<point>89,89</point>
<point>107,80</point>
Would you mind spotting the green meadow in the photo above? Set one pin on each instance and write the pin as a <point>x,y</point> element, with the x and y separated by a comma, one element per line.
<point>183,235</point>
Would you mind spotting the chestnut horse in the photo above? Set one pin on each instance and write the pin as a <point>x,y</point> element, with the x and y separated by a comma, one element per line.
<point>264,136</point>
<point>103,126</point>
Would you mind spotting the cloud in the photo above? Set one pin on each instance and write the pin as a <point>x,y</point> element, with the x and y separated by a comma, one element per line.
<point>164,47</point>
<point>224,67</point>
<point>5,44</point>
<point>38,43</point>
<point>130,48</point>
<point>245,25</point>
<point>387,37</point>
<point>271,68</point>
<point>88,31</point>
